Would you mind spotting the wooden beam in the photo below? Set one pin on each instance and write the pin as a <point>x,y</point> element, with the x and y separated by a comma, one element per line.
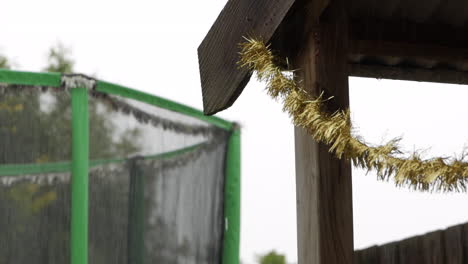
<point>439,75</point>
<point>300,21</point>
<point>405,50</point>
<point>221,79</point>
<point>432,45</point>
<point>404,31</point>
<point>323,183</point>
<point>408,50</point>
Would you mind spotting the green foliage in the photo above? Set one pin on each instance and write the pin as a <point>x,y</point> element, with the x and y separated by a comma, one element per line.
<point>272,258</point>
<point>59,59</point>
<point>4,62</point>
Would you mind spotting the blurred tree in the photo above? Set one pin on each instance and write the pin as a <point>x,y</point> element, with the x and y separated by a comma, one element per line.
<point>272,258</point>
<point>59,59</point>
<point>36,126</point>
<point>4,62</point>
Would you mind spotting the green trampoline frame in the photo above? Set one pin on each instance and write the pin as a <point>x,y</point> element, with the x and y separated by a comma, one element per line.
<point>80,163</point>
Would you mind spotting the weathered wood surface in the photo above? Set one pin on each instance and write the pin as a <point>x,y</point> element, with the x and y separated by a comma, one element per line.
<point>222,80</point>
<point>409,73</point>
<point>385,46</point>
<point>404,50</point>
<point>388,254</point>
<point>447,246</point>
<point>323,183</point>
<point>442,42</point>
<point>453,241</point>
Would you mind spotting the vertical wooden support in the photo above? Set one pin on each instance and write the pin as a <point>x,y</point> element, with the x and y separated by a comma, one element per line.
<point>324,186</point>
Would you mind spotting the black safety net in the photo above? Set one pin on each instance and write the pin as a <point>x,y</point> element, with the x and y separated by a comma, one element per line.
<point>156,181</point>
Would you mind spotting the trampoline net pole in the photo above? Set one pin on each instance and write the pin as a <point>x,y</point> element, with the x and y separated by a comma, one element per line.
<point>79,192</point>
<point>232,200</point>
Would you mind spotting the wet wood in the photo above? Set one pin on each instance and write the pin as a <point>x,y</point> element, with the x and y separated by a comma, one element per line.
<point>221,79</point>
<point>447,246</point>
<point>324,187</point>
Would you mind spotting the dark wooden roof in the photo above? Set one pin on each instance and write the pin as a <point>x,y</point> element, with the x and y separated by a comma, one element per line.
<point>421,40</point>
<point>448,12</point>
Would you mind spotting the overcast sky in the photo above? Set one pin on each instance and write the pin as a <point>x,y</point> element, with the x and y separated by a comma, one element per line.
<point>151,46</point>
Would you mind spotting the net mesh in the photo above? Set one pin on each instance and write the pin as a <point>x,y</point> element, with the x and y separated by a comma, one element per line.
<point>155,181</point>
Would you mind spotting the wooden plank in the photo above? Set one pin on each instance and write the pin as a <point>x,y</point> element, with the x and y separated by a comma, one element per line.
<point>370,256</point>
<point>323,183</point>
<point>407,50</point>
<point>453,245</point>
<point>410,251</point>
<point>403,31</point>
<point>389,253</point>
<point>439,75</point>
<point>465,242</point>
<point>357,256</point>
<point>414,51</point>
<point>221,79</point>
<point>303,17</point>
<point>432,248</point>
<point>447,246</point>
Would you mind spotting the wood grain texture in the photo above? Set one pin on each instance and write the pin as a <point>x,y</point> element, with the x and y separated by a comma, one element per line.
<point>447,246</point>
<point>410,251</point>
<point>388,254</point>
<point>372,254</point>
<point>408,50</point>
<point>414,51</point>
<point>432,248</point>
<point>408,73</point>
<point>464,236</point>
<point>303,17</point>
<point>221,79</point>
<point>323,183</point>
<point>453,242</point>
<point>378,35</point>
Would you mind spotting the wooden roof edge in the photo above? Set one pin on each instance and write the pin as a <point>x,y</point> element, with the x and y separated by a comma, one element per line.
<point>438,75</point>
<point>221,79</point>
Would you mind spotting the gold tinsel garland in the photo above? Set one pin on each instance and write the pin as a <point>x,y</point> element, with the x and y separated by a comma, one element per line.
<point>335,130</point>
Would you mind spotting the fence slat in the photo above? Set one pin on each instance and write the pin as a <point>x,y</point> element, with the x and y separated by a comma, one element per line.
<point>448,246</point>
<point>389,253</point>
<point>410,251</point>
<point>432,248</point>
<point>453,245</point>
<point>464,237</point>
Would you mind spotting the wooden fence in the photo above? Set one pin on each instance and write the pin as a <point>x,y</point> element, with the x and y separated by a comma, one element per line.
<point>449,246</point>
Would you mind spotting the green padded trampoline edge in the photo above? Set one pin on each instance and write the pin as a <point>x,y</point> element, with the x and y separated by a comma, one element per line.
<point>30,78</point>
<point>232,202</point>
<point>54,80</point>
<point>39,168</point>
<point>161,102</point>
<point>61,167</point>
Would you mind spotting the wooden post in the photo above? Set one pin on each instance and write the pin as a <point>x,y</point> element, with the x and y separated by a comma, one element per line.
<point>324,186</point>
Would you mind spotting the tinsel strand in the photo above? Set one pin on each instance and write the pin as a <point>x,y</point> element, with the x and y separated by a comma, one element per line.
<point>335,130</point>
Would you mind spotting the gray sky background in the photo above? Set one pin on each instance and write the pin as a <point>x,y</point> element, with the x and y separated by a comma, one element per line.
<point>151,46</point>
